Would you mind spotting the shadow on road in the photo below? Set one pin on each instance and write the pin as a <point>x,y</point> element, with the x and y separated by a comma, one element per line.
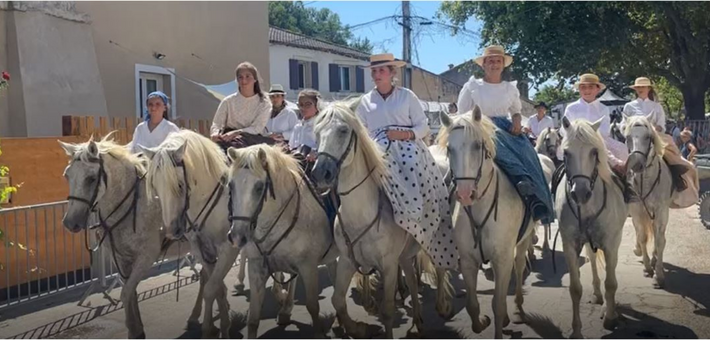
<point>689,285</point>
<point>545,272</point>
<point>635,324</point>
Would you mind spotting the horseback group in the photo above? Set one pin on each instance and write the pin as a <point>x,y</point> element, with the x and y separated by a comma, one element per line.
<point>352,186</point>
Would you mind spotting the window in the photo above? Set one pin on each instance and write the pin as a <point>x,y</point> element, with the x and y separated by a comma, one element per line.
<point>304,72</point>
<point>150,79</point>
<point>345,78</point>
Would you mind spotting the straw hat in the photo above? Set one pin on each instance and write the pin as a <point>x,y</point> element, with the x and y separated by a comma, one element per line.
<point>641,81</point>
<point>277,89</point>
<point>385,59</point>
<point>589,78</point>
<point>492,51</point>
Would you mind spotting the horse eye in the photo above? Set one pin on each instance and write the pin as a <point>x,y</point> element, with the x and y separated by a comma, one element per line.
<point>90,179</point>
<point>343,130</point>
<point>258,188</point>
<point>594,153</point>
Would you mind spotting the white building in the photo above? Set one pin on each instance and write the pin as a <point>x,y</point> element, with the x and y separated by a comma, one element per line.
<point>299,62</point>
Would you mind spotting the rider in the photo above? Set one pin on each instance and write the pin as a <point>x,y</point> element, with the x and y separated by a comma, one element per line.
<point>395,119</point>
<point>589,108</point>
<point>156,126</point>
<point>242,116</point>
<point>283,118</point>
<point>500,100</point>
<point>303,140</point>
<point>684,173</point>
<point>540,122</point>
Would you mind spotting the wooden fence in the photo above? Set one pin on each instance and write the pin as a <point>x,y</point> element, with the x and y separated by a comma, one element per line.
<point>85,126</point>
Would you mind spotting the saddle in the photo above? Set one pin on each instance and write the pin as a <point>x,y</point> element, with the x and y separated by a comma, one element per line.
<point>245,140</point>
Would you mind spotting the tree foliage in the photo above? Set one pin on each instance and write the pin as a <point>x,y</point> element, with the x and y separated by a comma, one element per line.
<point>552,95</point>
<point>619,41</point>
<point>322,24</point>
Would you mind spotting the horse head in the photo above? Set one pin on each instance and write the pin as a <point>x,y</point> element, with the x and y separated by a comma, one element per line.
<point>643,143</point>
<point>585,158</point>
<point>549,141</point>
<point>468,140</point>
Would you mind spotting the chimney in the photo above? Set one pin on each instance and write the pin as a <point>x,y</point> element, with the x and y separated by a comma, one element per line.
<point>451,66</point>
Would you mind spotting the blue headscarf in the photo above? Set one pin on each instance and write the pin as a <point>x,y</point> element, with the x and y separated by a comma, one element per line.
<point>161,95</point>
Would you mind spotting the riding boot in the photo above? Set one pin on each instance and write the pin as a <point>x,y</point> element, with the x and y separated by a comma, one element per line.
<point>677,172</point>
<point>525,188</point>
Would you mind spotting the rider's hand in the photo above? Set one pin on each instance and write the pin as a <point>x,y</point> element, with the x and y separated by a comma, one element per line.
<point>231,135</point>
<point>216,138</point>
<point>619,168</point>
<point>277,137</point>
<point>311,156</point>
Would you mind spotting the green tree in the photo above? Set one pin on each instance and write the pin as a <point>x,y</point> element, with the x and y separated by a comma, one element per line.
<point>552,95</point>
<point>670,98</point>
<point>617,40</point>
<point>322,24</point>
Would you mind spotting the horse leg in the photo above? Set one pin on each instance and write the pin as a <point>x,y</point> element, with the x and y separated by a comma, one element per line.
<point>641,221</point>
<point>401,284</point>
<point>469,270</point>
<point>309,274</point>
<point>546,242</point>
<point>410,276</point>
<point>597,297</point>
<point>502,269</point>
<point>194,319</point>
<point>345,274</point>
<point>207,321</point>
<point>286,301</point>
<point>239,286</point>
<point>129,297</point>
<point>389,276</point>
<point>216,290</point>
<point>575,285</point>
<point>519,266</point>
<point>257,286</point>
<point>611,319</point>
<point>660,244</point>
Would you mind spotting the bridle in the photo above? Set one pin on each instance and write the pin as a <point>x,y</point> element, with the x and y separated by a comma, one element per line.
<point>549,146</point>
<point>108,228</point>
<point>583,224</point>
<point>649,162</point>
<point>334,194</point>
<point>477,228</point>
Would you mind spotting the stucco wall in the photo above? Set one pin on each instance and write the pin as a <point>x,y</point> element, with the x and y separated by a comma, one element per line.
<point>4,97</point>
<point>202,41</point>
<point>280,54</point>
<point>431,87</point>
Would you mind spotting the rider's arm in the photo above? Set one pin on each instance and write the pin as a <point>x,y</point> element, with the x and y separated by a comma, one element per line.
<point>219,118</point>
<point>693,151</point>
<point>420,122</point>
<point>465,102</point>
<point>660,117</point>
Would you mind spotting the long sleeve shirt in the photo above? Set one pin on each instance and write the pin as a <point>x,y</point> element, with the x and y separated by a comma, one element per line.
<point>303,134</point>
<point>495,100</point>
<point>644,107</point>
<point>283,123</point>
<point>536,126</point>
<point>401,108</point>
<point>248,115</point>
<point>144,137</point>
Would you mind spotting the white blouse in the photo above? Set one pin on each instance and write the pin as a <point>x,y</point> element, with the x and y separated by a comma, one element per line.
<point>643,107</point>
<point>537,126</point>
<point>495,100</point>
<point>303,134</point>
<point>590,112</point>
<point>248,115</point>
<point>402,108</point>
<point>144,137</point>
<point>283,123</point>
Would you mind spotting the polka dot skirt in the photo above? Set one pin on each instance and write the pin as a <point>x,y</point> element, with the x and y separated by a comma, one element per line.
<point>419,199</point>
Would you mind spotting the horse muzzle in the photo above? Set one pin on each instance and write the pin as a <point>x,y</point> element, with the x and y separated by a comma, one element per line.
<point>581,193</point>
<point>324,172</point>
<point>466,193</point>
<point>75,220</point>
<point>237,239</point>
<point>636,162</point>
<point>176,229</point>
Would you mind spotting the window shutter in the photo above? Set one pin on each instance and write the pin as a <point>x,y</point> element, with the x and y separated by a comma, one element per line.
<point>359,79</point>
<point>334,77</point>
<point>314,75</point>
<point>293,74</point>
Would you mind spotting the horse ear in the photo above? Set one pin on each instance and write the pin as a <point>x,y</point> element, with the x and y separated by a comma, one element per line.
<point>93,149</point>
<point>565,123</point>
<point>232,154</point>
<point>354,103</point>
<point>445,120</point>
<point>650,116</point>
<point>70,149</point>
<point>476,113</point>
<point>597,124</point>
<point>148,152</point>
<point>262,158</point>
<point>179,153</point>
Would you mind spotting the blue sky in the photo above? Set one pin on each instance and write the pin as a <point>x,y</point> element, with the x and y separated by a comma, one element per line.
<point>435,46</point>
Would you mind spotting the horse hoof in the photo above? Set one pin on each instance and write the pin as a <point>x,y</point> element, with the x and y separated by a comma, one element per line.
<point>283,319</point>
<point>597,300</point>
<point>193,325</point>
<point>446,312</point>
<point>637,252</point>
<point>239,288</point>
<point>576,336</point>
<point>360,331</point>
<point>483,323</point>
<point>140,336</point>
<point>648,273</point>
<point>658,283</point>
<point>611,323</point>
<point>534,239</point>
<point>519,317</point>
<point>506,320</point>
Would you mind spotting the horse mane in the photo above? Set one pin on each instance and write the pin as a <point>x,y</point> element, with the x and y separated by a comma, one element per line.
<point>581,131</point>
<point>203,160</point>
<point>473,129</point>
<point>108,146</point>
<point>659,146</point>
<point>343,110</point>
<point>281,166</point>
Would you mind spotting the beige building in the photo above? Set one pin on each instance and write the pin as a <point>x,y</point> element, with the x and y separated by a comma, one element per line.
<point>102,58</point>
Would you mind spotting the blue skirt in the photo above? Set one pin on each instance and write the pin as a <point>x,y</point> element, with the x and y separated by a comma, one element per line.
<point>519,161</point>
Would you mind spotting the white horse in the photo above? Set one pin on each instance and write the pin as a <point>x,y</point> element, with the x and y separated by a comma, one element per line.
<point>653,182</point>
<point>481,232</point>
<point>365,232</point>
<point>189,174</point>
<point>591,210</point>
<point>546,146</point>
<point>129,221</point>
<point>279,221</point>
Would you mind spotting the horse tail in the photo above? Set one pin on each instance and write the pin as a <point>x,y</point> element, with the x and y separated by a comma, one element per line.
<point>365,284</point>
<point>444,288</point>
<point>601,259</point>
<point>280,292</point>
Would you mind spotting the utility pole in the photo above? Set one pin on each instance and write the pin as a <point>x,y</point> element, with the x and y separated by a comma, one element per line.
<point>407,48</point>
